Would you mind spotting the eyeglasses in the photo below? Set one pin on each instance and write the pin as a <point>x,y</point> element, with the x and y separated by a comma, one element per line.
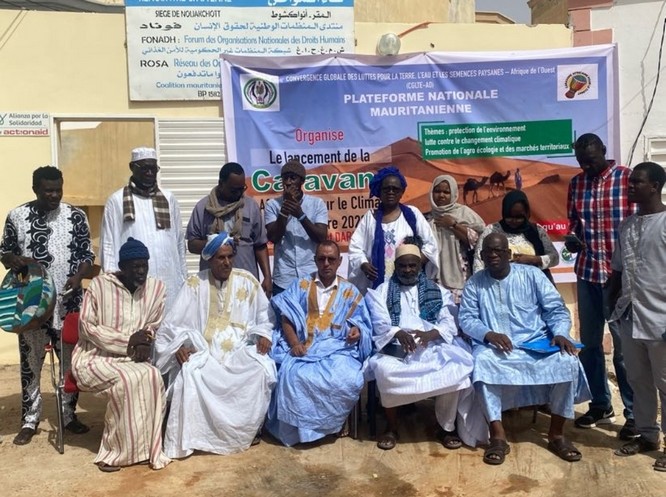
<point>322,259</point>
<point>144,168</point>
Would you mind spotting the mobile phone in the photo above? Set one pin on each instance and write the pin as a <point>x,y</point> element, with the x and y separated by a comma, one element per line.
<point>395,350</point>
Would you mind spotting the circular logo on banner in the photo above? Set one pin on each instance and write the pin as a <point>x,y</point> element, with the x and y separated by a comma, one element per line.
<point>260,93</point>
<point>566,255</point>
<point>576,83</point>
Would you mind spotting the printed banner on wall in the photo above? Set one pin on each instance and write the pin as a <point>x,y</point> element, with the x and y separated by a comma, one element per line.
<point>24,124</point>
<point>494,121</point>
<point>173,46</point>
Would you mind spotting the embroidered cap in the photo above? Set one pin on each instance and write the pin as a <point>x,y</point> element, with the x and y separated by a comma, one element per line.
<point>407,249</point>
<point>142,153</point>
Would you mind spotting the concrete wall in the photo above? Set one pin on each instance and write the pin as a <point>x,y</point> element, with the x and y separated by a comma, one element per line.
<point>72,64</point>
<point>549,11</point>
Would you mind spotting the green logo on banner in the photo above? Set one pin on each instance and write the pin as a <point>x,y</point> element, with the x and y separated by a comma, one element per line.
<point>454,141</point>
<point>260,93</point>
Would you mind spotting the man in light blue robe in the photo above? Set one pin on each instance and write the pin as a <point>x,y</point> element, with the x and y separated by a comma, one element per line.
<point>323,337</point>
<point>523,354</point>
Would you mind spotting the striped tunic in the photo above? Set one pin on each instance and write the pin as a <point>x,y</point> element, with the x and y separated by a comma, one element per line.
<point>109,316</point>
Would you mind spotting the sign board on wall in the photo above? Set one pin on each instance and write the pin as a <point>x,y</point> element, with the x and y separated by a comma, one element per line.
<point>24,123</point>
<point>494,121</point>
<point>173,46</point>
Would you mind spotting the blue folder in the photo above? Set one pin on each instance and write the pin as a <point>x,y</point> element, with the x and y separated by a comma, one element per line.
<point>543,346</point>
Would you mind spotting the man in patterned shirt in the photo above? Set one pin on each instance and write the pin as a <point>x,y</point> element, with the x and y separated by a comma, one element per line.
<point>596,204</point>
<point>57,236</point>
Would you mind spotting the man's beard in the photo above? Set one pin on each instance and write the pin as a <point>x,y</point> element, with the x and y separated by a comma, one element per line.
<point>409,281</point>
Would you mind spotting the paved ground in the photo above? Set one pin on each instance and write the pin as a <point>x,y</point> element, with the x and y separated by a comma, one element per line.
<point>418,466</point>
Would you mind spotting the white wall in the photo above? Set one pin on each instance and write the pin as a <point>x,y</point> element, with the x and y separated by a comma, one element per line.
<point>637,28</point>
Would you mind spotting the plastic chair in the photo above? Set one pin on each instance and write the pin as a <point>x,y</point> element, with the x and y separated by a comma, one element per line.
<point>64,381</point>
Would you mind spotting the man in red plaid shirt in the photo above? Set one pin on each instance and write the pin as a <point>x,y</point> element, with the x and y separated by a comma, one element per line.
<point>597,203</point>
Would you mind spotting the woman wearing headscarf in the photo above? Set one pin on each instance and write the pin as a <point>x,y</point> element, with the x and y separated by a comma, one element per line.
<point>529,242</point>
<point>457,228</point>
<point>382,230</point>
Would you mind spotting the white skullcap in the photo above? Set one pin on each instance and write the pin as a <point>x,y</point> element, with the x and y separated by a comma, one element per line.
<point>407,249</point>
<point>143,153</point>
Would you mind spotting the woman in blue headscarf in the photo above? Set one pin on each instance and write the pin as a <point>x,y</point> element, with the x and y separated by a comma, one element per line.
<point>382,230</point>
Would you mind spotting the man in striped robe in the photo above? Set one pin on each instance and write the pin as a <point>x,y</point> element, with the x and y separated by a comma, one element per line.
<point>120,314</point>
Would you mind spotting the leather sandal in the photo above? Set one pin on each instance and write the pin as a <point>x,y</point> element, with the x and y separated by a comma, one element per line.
<point>496,452</point>
<point>449,439</point>
<point>565,450</point>
<point>105,468</point>
<point>636,446</point>
<point>388,440</point>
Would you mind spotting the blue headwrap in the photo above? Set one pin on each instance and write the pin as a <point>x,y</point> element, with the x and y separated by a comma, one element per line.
<point>385,172</point>
<point>133,249</point>
<point>378,245</point>
<point>214,243</point>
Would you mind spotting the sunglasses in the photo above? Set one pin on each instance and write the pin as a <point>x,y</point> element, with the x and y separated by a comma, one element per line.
<point>322,259</point>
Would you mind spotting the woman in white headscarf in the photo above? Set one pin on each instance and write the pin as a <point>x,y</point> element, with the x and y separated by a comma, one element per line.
<point>456,228</point>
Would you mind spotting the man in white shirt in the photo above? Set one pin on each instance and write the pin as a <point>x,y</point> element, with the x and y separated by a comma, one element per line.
<point>143,211</point>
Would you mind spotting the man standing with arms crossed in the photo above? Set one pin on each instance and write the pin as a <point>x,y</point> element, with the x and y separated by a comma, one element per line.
<point>597,203</point>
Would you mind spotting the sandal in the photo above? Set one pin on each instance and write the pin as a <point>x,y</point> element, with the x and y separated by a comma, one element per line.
<point>388,440</point>
<point>449,439</point>
<point>660,463</point>
<point>107,468</point>
<point>636,446</point>
<point>496,452</point>
<point>564,449</point>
